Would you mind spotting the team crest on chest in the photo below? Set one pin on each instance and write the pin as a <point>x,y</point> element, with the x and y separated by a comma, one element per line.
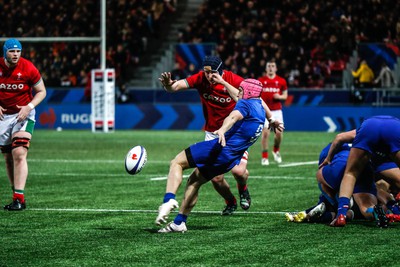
<point>19,74</point>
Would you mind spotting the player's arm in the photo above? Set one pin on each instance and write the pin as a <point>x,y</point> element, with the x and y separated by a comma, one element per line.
<point>233,91</point>
<point>39,95</point>
<point>281,97</point>
<point>229,121</point>
<point>273,124</point>
<point>340,139</point>
<point>170,85</point>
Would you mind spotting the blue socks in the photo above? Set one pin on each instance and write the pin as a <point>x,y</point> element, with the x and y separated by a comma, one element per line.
<point>180,218</point>
<point>168,196</point>
<point>343,206</point>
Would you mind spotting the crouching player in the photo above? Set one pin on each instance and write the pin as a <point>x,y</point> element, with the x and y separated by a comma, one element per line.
<point>364,195</point>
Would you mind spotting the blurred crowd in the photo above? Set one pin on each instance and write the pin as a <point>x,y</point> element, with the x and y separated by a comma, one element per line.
<point>130,26</point>
<point>311,41</point>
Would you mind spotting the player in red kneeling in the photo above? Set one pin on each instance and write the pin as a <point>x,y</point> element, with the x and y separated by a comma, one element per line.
<point>19,78</point>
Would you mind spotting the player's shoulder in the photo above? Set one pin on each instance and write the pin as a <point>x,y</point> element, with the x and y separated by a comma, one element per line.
<point>232,74</point>
<point>26,62</point>
<point>195,77</point>
<point>280,79</point>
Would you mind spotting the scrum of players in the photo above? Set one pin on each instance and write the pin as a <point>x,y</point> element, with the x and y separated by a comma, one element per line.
<point>358,177</point>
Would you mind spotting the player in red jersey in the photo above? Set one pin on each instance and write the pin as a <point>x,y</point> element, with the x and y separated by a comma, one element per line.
<point>19,78</point>
<point>217,105</point>
<point>274,92</point>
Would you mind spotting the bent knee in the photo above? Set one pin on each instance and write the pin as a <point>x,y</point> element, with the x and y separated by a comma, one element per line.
<point>240,171</point>
<point>218,179</point>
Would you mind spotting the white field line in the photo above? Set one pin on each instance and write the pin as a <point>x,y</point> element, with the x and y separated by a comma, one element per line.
<point>251,177</point>
<point>150,211</point>
<point>161,178</point>
<point>86,161</point>
<point>298,164</point>
<point>113,161</point>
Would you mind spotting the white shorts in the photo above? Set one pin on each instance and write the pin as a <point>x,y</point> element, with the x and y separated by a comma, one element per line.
<point>276,115</point>
<point>212,136</point>
<point>9,126</point>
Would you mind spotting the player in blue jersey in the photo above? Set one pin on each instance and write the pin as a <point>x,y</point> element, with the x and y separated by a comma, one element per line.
<point>379,135</point>
<point>365,199</point>
<point>329,178</point>
<point>238,132</point>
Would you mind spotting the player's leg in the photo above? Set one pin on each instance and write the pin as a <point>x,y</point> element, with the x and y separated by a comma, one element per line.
<point>6,126</point>
<point>19,151</point>
<point>366,203</point>
<point>191,192</point>
<point>174,180</point>
<point>277,114</point>
<point>356,163</point>
<point>6,150</point>
<point>241,175</point>
<point>277,146</point>
<point>325,183</point>
<point>391,175</point>
<point>190,198</point>
<point>319,213</point>
<point>264,144</point>
<point>222,187</point>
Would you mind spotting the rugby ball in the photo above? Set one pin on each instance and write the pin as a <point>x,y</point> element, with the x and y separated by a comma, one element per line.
<point>135,159</point>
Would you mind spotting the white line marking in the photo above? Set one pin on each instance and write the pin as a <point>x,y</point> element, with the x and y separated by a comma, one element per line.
<point>85,161</point>
<point>154,211</point>
<point>298,164</point>
<point>113,161</point>
<point>251,177</point>
<point>78,174</point>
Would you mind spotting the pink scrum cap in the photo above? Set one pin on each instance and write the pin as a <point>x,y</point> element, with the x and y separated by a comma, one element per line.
<point>251,88</point>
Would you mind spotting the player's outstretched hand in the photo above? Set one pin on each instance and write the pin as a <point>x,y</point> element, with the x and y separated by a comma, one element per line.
<point>165,78</point>
<point>276,126</point>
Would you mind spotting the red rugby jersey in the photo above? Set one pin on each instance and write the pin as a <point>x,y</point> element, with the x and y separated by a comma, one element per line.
<point>215,99</point>
<point>16,84</point>
<point>271,87</point>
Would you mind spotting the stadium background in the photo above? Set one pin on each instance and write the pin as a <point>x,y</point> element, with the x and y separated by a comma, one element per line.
<point>316,45</point>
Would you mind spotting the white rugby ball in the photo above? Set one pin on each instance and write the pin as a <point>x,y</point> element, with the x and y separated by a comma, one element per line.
<point>135,159</point>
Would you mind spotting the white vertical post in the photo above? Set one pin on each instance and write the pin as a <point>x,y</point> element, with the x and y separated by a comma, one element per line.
<point>103,35</point>
<point>103,100</point>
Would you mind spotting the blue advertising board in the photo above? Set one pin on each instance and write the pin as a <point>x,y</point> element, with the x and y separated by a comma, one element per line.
<point>69,110</point>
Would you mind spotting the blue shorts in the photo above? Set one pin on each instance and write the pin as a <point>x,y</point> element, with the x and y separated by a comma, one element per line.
<point>211,158</point>
<point>379,134</point>
<point>333,175</point>
<point>383,166</point>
